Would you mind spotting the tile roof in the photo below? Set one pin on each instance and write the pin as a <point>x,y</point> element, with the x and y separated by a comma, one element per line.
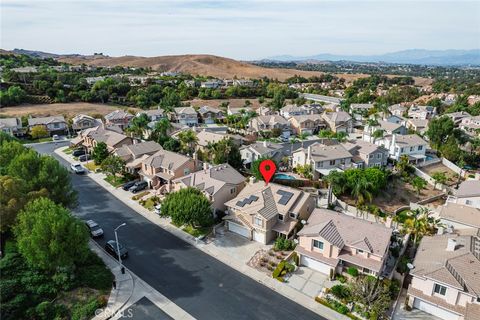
<point>361,146</point>
<point>463,214</point>
<point>185,110</point>
<point>45,120</point>
<point>407,140</point>
<point>263,148</point>
<point>343,230</point>
<point>338,117</point>
<point>213,179</point>
<point>167,159</point>
<point>459,268</point>
<point>117,115</point>
<point>204,137</point>
<point>271,120</point>
<point>205,109</point>
<point>138,149</point>
<point>468,188</point>
<point>322,152</point>
<point>10,122</point>
<point>267,200</point>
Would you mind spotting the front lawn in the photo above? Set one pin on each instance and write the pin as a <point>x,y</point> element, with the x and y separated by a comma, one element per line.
<point>115,180</point>
<point>92,166</point>
<point>197,232</point>
<point>68,150</point>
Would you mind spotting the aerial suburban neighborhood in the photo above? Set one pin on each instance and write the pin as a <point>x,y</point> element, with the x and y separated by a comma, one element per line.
<point>201,187</point>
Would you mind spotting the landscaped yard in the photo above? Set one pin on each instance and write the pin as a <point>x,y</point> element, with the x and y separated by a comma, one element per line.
<point>115,180</point>
<point>92,166</point>
<point>68,150</point>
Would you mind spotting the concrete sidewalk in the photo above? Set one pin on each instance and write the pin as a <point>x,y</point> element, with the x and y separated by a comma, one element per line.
<point>224,254</point>
<point>129,289</point>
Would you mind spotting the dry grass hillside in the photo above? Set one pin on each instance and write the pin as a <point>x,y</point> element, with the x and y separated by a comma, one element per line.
<point>207,65</point>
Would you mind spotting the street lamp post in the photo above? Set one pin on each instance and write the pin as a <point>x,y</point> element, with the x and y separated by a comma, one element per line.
<point>118,247</point>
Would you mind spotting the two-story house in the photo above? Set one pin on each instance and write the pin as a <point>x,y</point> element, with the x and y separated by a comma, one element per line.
<point>209,114</point>
<point>457,117</point>
<point>411,145</point>
<point>231,111</point>
<point>291,110</point>
<point>83,121</point>
<point>398,109</point>
<point>459,218</point>
<point>89,138</point>
<point>12,126</point>
<point>307,124</point>
<point>468,193</point>
<point>446,278</point>
<point>339,121</point>
<point>360,111</point>
<point>154,115</point>
<point>366,154</point>
<point>335,241</point>
<point>162,167</point>
<point>53,125</point>
<point>471,126</point>
<point>387,127</point>
<point>270,123</point>
<point>323,158</point>
<point>120,118</point>
<point>418,125</point>
<point>186,116</point>
<point>134,154</point>
<point>257,150</point>
<point>220,184</point>
<point>262,212</point>
<point>422,112</point>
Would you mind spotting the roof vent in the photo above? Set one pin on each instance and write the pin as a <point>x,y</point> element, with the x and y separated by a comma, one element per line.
<point>451,244</point>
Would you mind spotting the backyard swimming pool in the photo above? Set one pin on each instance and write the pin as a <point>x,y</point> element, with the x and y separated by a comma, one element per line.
<point>283,176</point>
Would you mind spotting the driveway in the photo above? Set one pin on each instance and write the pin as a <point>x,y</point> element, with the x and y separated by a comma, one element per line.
<point>307,281</point>
<point>198,283</point>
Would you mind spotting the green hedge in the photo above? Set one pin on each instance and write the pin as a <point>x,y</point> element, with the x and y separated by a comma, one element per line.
<point>278,270</point>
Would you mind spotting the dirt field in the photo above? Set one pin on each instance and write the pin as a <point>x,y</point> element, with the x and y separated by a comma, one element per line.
<point>67,109</point>
<point>396,195</point>
<point>439,167</point>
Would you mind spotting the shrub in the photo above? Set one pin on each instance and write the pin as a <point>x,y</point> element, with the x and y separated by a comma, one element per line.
<point>282,243</point>
<point>85,310</point>
<point>277,272</point>
<point>341,292</point>
<point>352,271</point>
<point>280,279</point>
<point>289,267</point>
<point>341,278</point>
<point>296,258</point>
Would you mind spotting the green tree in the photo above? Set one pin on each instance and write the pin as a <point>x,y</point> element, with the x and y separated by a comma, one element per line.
<point>419,184</point>
<point>38,132</point>
<point>439,130</point>
<point>305,171</point>
<point>188,206</point>
<point>439,177</point>
<point>361,190</point>
<point>403,165</point>
<point>450,150</point>
<point>49,237</point>
<point>372,293</point>
<point>113,165</point>
<point>160,131</point>
<point>138,125</point>
<point>224,151</point>
<point>170,99</point>
<point>337,182</point>
<point>188,140</point>
<point>100,152</point>
<point>420,222</point>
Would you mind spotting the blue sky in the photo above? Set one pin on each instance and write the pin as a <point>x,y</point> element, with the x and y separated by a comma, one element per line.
<point>238,29</point>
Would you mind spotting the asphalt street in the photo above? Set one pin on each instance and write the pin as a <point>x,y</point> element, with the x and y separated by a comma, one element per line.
<point>198,283</point>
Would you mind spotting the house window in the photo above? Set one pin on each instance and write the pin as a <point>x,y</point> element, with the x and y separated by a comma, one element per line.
<point>318,244</point>
<point>468,202</point>
<point>379,155</point>
<point>56,125</point>
<point>359,251</point>
<point>293,215</point>
<point>420,147</point>
<point>411,148</point>
<point>257,221</point>
<point>439,289</point>
<point>332,162</point>
<point>233,190</point>
<point>401,150</point>
<point>280,217</point>
<point>320,164</point>
<point>370,156</point>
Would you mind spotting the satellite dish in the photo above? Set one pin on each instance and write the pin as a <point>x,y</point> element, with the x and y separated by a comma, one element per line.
<point>410,266</point>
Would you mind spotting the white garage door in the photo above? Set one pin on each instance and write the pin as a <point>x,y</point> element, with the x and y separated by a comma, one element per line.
<point>436,311</point>
<point>239,229</point>
<point>315,265</point>
<point>259,236</point>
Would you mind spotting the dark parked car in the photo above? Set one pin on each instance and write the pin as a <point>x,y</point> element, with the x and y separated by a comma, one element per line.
<point>94,229</point>
<point>84,157</point>
<point>78,152</point>
<point>128,185</point>
<point>138,186</point>
<point>111,247</point>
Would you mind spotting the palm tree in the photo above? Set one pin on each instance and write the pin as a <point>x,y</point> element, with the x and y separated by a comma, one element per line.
<point>419,184</point>
<point>139,124</point>
<point>188,140</point>
<point>361,190</point>
<point>378,134</point>
<point>160,131</point>
<point>420,222</point>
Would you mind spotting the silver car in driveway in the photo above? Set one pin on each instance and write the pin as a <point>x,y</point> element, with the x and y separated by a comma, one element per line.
<point>77,168</point>
<point>94,228</point>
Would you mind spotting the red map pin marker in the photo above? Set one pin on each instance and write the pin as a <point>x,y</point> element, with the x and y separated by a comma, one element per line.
<point>267,169</point>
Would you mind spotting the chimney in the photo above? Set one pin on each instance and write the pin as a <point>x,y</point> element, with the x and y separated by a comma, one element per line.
<point>205,167</point>
<point>309,154</point>
<point>265,143</point>
<point>451,244</point>
<point>252,180</point>
<point>392,146</point>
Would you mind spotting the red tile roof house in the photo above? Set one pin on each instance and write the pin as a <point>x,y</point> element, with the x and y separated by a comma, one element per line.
<point>335,241</point>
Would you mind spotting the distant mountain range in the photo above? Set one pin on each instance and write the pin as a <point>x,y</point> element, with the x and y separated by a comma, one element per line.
<point>412,56</point>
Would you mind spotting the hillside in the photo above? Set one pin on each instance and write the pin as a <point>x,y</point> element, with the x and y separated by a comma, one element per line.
<point>207,65</point>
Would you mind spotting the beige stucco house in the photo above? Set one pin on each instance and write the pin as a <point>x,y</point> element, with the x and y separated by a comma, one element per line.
<point>446,277</point>
<point>220,183</point>
<point>134,154</point>
<point>307,124</point>
<point>336,241</point>
<point>262,212</point>
<point>89,138</point>
<point>468,193</point>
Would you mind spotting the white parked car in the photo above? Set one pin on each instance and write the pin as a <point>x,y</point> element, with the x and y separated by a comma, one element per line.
<point>158,208</point>
<point>94,228</point>
<point>55,137</point>
<point>77,168</point>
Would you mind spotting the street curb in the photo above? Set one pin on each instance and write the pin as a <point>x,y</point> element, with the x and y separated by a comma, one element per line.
<point>270,283</point>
